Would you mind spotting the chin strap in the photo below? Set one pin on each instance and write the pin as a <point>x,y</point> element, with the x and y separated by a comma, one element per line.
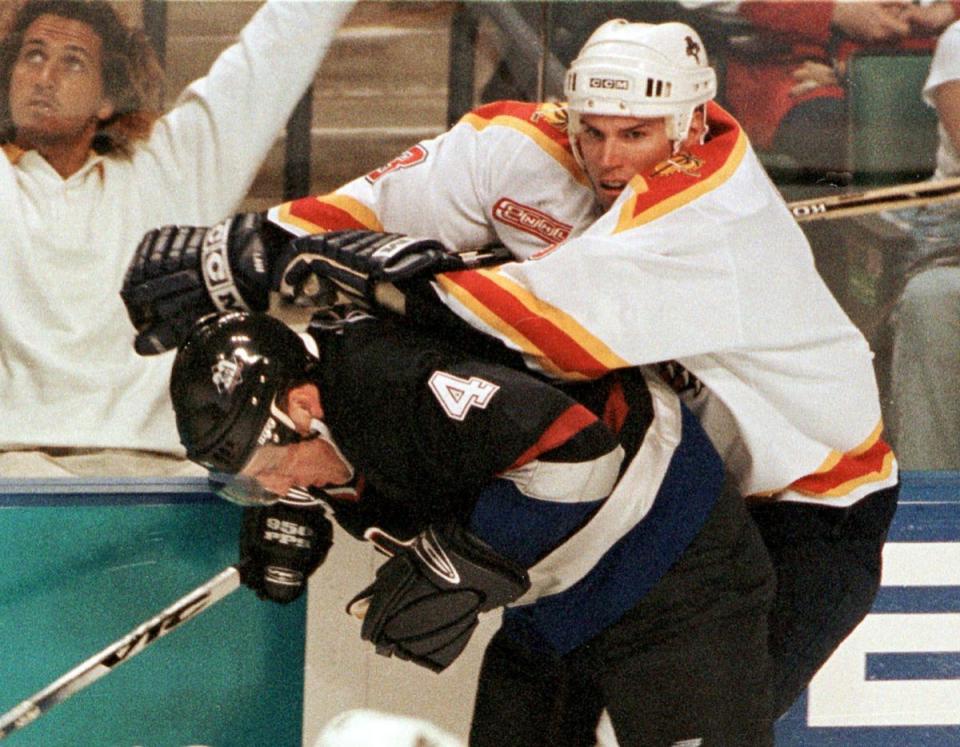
<point>319,429</point>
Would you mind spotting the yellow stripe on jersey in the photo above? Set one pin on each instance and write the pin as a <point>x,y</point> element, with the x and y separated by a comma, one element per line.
<point>330,212</point>
<point>868,442</point>
<point>645,205</point>
<point>841,474</point>
<point>875,476</point>
<point>492,320</point>
<point>554,149</point>
<point>560,345</point>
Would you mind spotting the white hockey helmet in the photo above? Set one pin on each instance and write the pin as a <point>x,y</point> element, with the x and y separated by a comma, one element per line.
<point>640,70</point>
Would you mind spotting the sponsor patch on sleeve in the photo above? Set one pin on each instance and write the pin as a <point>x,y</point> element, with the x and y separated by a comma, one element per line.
<point>530,220</point>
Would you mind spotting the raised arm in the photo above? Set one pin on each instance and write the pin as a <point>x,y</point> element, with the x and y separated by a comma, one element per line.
<point>208,148</point>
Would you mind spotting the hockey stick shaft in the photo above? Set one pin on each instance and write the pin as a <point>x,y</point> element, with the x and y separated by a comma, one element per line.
<point>875,200</point>
<point>125,648</point>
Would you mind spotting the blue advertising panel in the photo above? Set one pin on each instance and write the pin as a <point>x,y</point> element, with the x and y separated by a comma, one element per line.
<point>896,680</point>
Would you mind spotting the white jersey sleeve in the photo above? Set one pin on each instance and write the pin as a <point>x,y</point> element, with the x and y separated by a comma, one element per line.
<point>208,147</point>
<point>504,173</point>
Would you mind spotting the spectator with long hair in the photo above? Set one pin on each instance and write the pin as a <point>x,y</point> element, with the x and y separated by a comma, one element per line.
<point>90,165</point>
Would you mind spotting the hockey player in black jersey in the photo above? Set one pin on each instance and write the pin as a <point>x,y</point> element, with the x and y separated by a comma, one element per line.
<point>593,514</point>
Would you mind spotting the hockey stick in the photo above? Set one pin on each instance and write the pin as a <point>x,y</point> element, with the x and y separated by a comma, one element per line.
<point>125,648</point>
<point>875,200</point>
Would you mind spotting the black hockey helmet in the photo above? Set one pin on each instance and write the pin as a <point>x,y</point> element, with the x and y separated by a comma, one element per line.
<point>224,383</point>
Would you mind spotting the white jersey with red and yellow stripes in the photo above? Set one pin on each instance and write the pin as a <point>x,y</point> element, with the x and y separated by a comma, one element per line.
<point>503,173</point>
<point>698,263</point>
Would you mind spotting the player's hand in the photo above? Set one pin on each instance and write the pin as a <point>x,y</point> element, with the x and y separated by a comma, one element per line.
<point>180,273</point>
<point>346,266</point>
<point>425,602</point>
<point>281,545</point>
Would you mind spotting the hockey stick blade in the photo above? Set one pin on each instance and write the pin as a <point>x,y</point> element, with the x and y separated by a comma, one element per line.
<point>876,200</point>
<point>125,648</point>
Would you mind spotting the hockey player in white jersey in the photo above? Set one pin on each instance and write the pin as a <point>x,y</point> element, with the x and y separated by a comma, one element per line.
<point>650,235</point>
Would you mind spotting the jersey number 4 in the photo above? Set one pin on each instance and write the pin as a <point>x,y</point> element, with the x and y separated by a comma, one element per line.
<point>456,395</point>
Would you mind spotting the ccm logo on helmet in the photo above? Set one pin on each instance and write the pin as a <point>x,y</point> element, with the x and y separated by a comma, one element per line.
<point>610,84</point>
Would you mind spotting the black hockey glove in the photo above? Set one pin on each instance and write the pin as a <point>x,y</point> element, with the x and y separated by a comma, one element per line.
<point>180,273</point>
<point>342,266</point>
<point>281,545</point>
<point>425,602</point>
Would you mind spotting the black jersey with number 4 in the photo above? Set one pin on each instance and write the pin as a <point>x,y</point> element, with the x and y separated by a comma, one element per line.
<point>596,489</point>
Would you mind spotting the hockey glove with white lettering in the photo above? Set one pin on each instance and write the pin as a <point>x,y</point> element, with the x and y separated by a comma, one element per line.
<point>425,602</point>
<point>281,545</point>
<point>346,266</point>
<point>180,273</point>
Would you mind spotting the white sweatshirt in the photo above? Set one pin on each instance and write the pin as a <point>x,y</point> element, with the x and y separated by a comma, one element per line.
<point>68,374</point>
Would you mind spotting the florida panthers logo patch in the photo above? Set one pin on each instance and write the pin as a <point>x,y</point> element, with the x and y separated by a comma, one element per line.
<point>552,114</point>
<point>682,163</point>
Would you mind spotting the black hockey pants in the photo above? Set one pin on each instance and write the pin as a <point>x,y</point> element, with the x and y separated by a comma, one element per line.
<point>689,661</point>
<point>828,573</point>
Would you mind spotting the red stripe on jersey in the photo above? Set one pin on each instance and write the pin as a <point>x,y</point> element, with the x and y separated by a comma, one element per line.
<point>550,119</point>
<point>323,215</point>
<point>851,470</point>
<point>575,419</point>
<point>615,409</point>
<point>676,175</point>
<point>554,343</point>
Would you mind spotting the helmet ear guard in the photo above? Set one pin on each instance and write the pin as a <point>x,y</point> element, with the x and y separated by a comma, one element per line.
<point>640,70</point>
<point>224,384</point>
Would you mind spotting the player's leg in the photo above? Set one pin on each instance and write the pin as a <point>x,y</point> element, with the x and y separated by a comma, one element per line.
<point>925,371</point>
<point>708,682</point>
<point>527,698</point>
<point>828,571</point>
<point>690,661</point>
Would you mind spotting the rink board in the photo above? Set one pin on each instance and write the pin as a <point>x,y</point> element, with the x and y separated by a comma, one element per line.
<point>895,682</point>
<point>83,563</point>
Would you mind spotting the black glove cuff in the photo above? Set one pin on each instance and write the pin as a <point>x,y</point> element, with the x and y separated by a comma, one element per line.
<point>473,565</point>
<point>235,264</point>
